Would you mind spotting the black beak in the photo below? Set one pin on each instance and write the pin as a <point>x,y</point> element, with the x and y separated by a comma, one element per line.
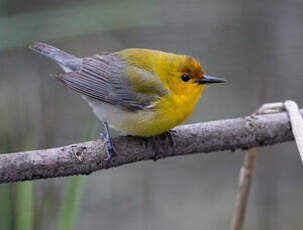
<point>209,80</point>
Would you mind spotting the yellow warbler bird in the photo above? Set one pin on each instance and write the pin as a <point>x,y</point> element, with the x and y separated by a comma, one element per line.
<point>140,92</point>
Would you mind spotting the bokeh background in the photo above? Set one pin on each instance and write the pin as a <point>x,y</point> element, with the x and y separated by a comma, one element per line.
<point>256,45</point>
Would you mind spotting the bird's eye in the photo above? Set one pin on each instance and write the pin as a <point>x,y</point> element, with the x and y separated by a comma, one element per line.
<point>185,77</point>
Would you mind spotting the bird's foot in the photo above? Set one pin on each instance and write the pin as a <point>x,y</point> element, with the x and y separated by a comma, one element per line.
<point>110,149</point>
<point>170,136</point>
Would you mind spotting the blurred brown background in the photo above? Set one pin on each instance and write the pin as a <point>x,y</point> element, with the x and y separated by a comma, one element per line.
<point>256,45</point>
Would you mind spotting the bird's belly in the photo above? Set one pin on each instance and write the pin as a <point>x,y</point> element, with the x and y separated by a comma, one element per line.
<point>139,123</point>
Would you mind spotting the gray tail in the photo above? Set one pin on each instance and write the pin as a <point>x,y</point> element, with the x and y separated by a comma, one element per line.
<point>67,61</point>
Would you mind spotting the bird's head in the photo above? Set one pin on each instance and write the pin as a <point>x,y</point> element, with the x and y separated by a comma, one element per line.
<point>181,74</point>
<point>184,75</point>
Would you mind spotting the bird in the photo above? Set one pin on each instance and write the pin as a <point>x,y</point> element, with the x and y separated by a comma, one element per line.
<point>139,92</point>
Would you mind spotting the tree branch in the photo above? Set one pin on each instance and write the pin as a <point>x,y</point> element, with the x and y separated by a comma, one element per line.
<point>88,157</point>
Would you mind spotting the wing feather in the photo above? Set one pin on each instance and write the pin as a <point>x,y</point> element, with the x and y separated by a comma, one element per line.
<point>104,77</point>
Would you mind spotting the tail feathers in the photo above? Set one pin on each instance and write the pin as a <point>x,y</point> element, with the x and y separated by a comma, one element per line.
<point>67,61</point>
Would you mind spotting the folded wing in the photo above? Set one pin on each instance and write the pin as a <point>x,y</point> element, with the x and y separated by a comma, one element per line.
<point>107,78</point>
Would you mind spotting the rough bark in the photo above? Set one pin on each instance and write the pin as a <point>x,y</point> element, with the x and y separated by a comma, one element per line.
<point>88,157</point>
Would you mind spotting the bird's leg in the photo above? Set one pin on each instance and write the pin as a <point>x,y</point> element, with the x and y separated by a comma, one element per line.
<point>169,139</point>
<point>170,135</point>
<point>110,150</point>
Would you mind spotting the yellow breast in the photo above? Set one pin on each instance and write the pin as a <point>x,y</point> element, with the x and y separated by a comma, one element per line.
<point>167,113</point>
<point>172,110</point>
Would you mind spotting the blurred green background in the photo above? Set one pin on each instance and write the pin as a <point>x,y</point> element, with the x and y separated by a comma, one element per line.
<point>256,45</point>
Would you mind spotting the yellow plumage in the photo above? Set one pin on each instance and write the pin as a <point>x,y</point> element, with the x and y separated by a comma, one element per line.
<point>173,108</point>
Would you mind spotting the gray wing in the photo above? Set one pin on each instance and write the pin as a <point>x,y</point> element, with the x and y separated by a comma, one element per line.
<point>103,77</point>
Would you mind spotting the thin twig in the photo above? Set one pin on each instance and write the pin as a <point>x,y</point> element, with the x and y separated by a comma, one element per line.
<point>88,157</point>
<point>245,179</point>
